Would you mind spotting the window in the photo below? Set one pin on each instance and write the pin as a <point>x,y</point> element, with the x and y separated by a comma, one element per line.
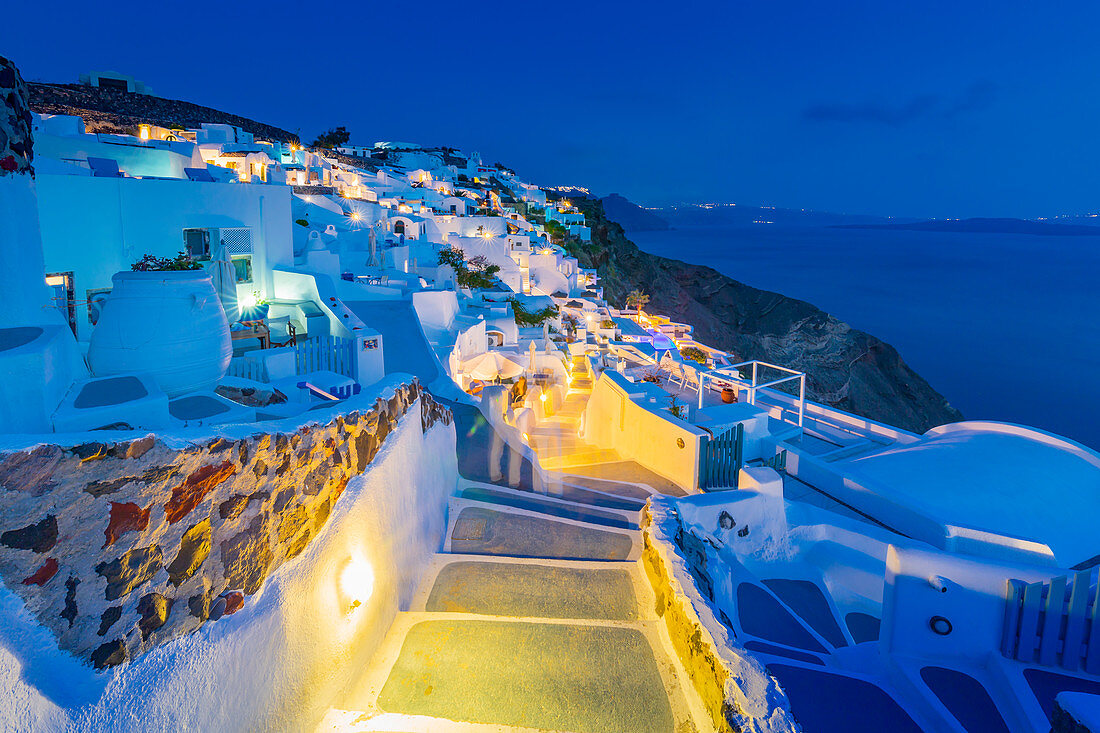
<point>399,227</point>
<point>243,265</point>
<point>196,242</point>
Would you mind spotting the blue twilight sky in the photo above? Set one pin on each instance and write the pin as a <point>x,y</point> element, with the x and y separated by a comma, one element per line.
<point>909,109</point>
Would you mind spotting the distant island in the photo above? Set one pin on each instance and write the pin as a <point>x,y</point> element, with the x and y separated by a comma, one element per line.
<point>630,216</point>
<point>985,226</point>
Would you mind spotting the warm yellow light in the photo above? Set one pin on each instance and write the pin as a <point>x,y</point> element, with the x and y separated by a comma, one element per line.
<point>355,216</point>
<point>542,397</point>
<point>526,438</point>
<point>356,582</point>
<point>487,235</point>
<point>143,132</point>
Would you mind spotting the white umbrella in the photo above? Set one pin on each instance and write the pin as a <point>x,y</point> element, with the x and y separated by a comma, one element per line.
<point>224,276</point>
<point>492,364</point>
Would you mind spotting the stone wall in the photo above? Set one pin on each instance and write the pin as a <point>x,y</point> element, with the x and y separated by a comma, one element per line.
<point>16,144</point>
<point>119,546</point>
<point>736,690</point>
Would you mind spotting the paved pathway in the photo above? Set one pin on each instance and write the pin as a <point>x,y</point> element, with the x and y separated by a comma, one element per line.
<point>537,615</point>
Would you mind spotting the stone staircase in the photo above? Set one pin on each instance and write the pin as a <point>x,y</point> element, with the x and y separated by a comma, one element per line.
<point>555,440</point>
<point>537,616</point>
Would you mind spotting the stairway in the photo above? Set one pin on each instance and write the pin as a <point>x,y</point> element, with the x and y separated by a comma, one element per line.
<point>536,616</point>
<point>555,439</point>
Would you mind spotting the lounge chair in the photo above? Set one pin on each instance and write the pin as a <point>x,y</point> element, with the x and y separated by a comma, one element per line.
<point>104,167</point>
<point>199,175</point>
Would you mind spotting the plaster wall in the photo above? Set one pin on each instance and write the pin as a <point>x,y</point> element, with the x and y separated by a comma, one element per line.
<point>645,433</point>
<point>95,227</point>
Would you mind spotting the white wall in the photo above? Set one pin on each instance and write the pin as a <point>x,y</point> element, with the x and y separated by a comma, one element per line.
<point>157,158</point>
<point>281,661</point>
<point>646,434</point>
<point>96,227</point>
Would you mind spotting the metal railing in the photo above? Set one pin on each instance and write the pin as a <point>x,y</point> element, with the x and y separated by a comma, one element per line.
<point>733,374</point>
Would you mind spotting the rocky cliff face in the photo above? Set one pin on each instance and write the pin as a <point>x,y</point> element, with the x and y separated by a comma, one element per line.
<point>117,547</point>
<point>114,111</point>
<point>845,367</point>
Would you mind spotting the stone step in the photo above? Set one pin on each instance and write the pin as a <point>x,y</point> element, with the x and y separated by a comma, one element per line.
<point>568,676</point>
<point>359,721</point>
<point>591,456</point>
<point>535,589</point>
<point>479,528</point>
<point>554,507</point>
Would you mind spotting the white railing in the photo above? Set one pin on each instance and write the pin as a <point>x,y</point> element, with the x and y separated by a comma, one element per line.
<point>326,353</point>
<point>733,374</point>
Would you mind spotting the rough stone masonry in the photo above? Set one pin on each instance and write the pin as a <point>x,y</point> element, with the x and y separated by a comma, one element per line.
<point>119,546</point>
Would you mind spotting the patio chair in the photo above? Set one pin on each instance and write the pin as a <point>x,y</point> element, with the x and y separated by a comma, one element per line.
<point>199,175</point>
<point>282,331</point>
<point>104,167</point>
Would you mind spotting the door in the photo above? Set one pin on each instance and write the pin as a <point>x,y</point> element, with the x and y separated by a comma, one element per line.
<point>63,293</point>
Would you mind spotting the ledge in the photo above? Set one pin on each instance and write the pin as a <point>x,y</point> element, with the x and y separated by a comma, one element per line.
<point>736,690</point>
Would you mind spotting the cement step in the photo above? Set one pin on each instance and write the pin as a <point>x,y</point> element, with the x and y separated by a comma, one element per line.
<point>621,497</point>
<point>553,507</point>
<point>478,528</point>
<point>588,457</point>
<point>581,677</point>
<point>536,589</point>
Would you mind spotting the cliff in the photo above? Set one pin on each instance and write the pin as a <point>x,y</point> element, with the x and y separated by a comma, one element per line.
<point>114,111</point>
<point>845,367</point>
<point>632,217</point>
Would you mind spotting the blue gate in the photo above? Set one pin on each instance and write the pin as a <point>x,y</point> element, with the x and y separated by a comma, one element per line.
<point>721,458</point>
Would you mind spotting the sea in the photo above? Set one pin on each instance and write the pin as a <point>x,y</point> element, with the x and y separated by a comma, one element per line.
<point>1005,326</point>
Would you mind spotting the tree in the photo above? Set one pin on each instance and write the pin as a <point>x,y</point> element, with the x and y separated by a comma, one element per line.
<point>477,272</point>
<point>556,231</point>
<point>636,300</point>
<point>334,138</point>
<point>525,317</point>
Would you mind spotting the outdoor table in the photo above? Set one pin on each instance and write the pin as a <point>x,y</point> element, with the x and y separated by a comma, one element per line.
<point>256,330</point>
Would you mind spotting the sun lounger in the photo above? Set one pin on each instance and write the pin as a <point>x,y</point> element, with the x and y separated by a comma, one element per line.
<point>199,175</point>
<point>104,167</point>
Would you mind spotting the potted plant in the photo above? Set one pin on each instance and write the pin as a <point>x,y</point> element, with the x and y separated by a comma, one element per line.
<point>255,308</point>
<point>163,319</point>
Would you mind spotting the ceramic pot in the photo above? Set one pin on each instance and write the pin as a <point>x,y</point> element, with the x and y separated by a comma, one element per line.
<point>728,395</point>
<point>169,325</point>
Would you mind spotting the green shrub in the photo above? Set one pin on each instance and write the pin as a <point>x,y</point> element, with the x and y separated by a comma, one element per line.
<point>525,317</point>
<point>152,263</point>
<point>694,353</point>
<point>301,222</point>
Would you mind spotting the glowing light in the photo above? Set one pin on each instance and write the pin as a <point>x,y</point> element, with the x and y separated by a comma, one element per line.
<point>542,397</point>
<point>356,582</point>
<point>143,132</point>
<point>248,301</point>
<point>487,235</point>
<point>526,438</point>
<point>355,216</point>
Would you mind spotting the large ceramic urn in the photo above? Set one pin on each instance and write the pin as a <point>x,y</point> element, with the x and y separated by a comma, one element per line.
<point>169,325</point>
